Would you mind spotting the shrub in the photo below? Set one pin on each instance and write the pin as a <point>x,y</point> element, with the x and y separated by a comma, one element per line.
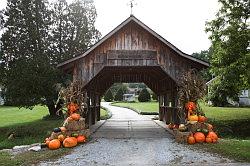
<point>119,95</point>
<point>108,96</point>
<point>144,96</point>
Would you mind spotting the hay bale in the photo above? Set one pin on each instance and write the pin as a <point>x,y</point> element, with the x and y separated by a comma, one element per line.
<point>75,125</point>
<point>181,137</point>
<point>86,132</point>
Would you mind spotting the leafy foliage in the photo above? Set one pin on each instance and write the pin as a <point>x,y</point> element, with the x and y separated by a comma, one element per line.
<point>73,28</point>
<point>119,94</point>
<point>229,33</point>
<point>144,96</point>
<point>36,37</point>
<point>204,55</point>
<point>108,96</point>
<point>115,87</point>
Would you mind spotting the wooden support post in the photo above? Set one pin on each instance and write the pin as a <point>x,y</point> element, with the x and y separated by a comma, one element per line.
<point>93,108</point>
<point>88,117</point>
<point>176,111</point>
<point>161,113</point>
<point>98,114</point>
<point>169,113</point>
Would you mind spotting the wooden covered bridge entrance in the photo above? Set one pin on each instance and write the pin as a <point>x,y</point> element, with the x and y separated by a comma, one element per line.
<point>132,52</point>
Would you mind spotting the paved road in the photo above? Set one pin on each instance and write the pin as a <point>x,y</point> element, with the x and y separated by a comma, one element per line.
<point>131,139</point>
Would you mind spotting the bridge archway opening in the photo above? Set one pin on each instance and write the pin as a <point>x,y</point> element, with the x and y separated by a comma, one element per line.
<point>152,76</point>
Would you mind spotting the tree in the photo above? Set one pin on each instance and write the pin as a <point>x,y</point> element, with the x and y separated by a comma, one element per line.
<point>108,96</point>
<point>29,78</point>
<point>144,96</point>
<point>229,34</point>
<point>119,95</point>
<point>115,87</point>
<point>73,28</point>
<point>34,41</point>
<point>205,55</point>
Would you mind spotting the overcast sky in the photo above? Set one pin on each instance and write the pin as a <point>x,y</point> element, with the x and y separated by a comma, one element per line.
<point>181,22</point>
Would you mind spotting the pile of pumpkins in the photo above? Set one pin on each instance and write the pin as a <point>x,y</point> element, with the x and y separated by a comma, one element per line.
<point>203,134</point>
<point>61,137</point>
<point>198,131</point>
<point>202,137</point>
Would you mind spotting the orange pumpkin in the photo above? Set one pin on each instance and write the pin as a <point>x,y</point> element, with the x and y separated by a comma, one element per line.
<point>199,137</point>
<point>213,136</point>
<point>193,118</point>
<point>75,116</point>
<point>54,144</point>
<point>47,142</point>
<point>61,137</point>
<point>70,142</point>
<point>191,139</point>
<point>81,139</point>
<point>201,118</point>
<point>72,107</point>
<point>63,129</point>
<point>190,106</point>
<point>209,127</point>
<point>209,140</point>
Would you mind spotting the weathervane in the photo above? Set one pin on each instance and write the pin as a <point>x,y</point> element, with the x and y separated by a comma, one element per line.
<point>131,5</point>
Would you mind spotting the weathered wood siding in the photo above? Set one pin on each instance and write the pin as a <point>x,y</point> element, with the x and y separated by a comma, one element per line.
<point>132,46</point>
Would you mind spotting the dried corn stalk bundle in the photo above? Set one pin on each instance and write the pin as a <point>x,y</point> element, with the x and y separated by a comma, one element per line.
<point>74,93</point>
<point>191,88</point>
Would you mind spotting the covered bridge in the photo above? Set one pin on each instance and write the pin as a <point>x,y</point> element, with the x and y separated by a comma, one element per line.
<point>132,52</point>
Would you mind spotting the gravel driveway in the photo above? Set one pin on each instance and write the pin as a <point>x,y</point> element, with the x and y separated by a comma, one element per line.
<point>131,139</point>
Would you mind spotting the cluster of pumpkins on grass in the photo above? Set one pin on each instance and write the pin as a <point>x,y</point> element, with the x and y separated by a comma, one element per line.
<point>72,132</point>
<point>198,131</point>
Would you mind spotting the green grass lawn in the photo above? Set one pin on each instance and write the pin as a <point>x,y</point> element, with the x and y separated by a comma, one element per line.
<point>105,113</point>
<point>14,115</point>
<point>28,127</point>
<point>141,107</point>
<point>237,149</point>
<point>226,113</point>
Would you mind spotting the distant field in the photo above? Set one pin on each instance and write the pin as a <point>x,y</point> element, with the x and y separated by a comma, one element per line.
<point>141,107</point>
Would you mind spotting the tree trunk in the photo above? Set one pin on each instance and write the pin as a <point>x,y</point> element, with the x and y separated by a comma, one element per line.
<point>52,110</point>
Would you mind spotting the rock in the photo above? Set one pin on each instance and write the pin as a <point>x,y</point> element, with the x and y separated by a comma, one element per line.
<point>11,136</point>
<point>35,148</point>
<point>6,150</point>
<point>20,147</point>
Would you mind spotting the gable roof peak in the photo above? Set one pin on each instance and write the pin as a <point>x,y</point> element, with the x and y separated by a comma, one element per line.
<point>140,23</point>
